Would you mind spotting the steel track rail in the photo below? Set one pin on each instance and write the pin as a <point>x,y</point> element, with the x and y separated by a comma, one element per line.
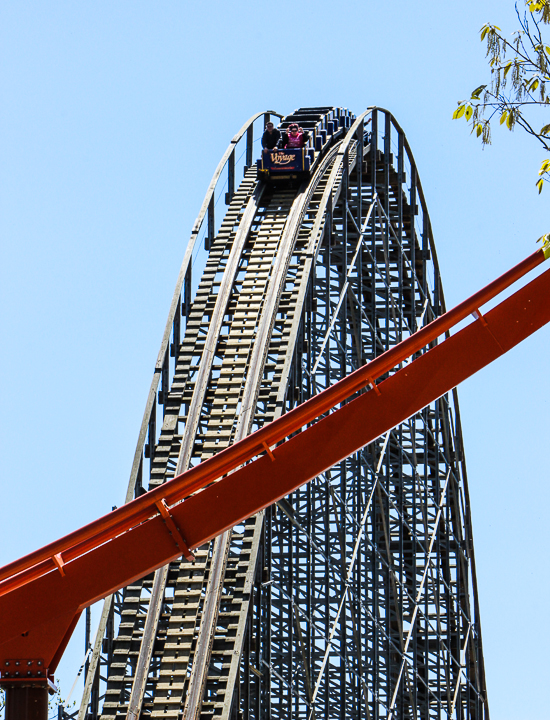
<point>32,566</point>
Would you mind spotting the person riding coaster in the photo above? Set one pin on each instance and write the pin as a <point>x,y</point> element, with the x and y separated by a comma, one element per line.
<point>270,138</point>
<point>295,138</point>
<point>284,158</point>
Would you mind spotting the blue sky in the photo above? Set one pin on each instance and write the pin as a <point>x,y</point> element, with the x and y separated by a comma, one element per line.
<point>113,118</point>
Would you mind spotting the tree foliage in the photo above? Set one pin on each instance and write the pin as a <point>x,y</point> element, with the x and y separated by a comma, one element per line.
<point>519,84</point>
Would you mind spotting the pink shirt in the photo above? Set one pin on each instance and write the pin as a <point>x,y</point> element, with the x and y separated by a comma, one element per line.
<point>295,141</point>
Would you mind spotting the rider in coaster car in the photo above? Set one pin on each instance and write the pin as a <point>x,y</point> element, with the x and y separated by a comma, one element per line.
<point>270,138</point>
<point>295,138</point>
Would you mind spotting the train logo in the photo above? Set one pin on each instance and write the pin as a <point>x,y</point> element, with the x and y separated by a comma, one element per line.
<point>281,158</point>
<point>280,162</point>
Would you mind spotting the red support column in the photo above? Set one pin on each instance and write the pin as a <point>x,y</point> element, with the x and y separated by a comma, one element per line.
<point>27,700</point>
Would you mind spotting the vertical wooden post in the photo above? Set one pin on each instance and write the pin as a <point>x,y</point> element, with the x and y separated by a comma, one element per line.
<point>249,145</point>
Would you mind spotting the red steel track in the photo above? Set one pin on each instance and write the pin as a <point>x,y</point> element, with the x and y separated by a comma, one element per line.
<point>43,594</point>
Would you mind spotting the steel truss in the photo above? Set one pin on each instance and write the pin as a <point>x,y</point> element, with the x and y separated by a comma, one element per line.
<point>355,596</point>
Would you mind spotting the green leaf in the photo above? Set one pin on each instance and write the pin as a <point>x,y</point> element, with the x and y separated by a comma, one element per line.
<point>459,112</point>
<point>479,129</point>
<point>507,67</point>
<point>488,28</point>
<point>545,130</point>
<point>534,85</point>
<point>503,116</point>
<point>477,92</point>
<point>540,183</point>
<point>468,113</point>
<point>545,167</point>
<point>510,121</point>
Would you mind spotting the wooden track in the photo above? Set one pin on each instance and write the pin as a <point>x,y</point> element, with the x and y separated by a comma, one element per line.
<point>283,309</point>
<point>258,252</point>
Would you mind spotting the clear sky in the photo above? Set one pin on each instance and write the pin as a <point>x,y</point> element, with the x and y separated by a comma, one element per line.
<point>113,118</point>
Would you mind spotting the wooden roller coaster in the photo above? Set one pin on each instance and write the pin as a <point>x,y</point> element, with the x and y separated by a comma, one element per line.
<point>296,538</point>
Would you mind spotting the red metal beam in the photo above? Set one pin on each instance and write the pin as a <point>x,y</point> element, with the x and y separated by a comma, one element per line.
<point>82,540</point>
<point>44,592</point>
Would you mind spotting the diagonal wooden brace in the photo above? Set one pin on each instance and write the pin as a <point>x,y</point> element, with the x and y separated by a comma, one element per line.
<point>173,530</point>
